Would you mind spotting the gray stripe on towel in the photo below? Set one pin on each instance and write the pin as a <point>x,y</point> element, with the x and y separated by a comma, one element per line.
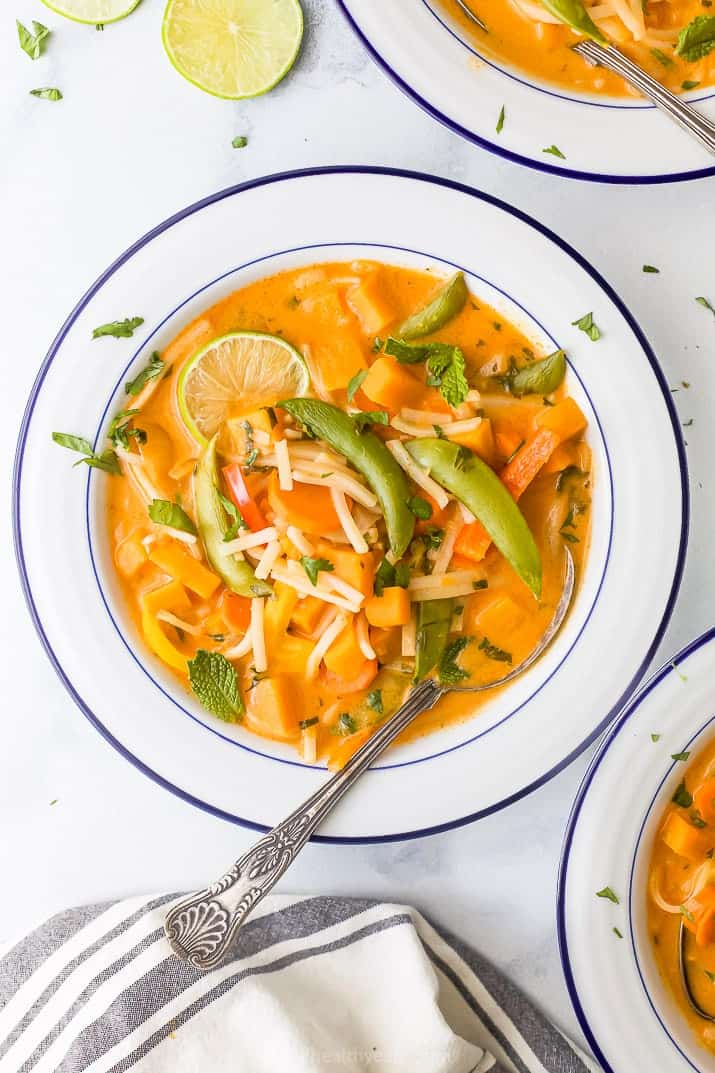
<point>295,921</point>
<point>70,967</point>
<point>145,998</point>
<point>540,1035</point>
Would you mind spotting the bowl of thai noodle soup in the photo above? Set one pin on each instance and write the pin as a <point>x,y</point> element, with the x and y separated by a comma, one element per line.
<point>323,471</point>
<point>504,73</point>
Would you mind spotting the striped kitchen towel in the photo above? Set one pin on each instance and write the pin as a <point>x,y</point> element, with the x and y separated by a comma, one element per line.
<point>315,985</point>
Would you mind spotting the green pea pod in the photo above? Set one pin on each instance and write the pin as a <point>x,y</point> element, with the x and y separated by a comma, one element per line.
<point>540,378</point>
<point>574,14</point>
<point>434,618</point>
<point>369,456</point>
<point>237,574</point>
<point>464,474</point>
<point>448,301</point>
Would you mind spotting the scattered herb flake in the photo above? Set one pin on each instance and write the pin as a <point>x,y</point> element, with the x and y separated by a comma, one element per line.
<point>119,329</point>
<point>651,268</point>
<point>305,723</point>
<point>609,894</point>
<point>554,150</point>
<point>153,368</point>
<point>655,737</point>
<point>313,567</point>
<point>47,93</point>
<point>239,142</point>
<point>374,701</point>
<point>420,507</point>
<point>449,671</point>
<point>682,796</point>
<point>500,120</point>
<point>32,42</point>
<point>494,652</point>
<point>617,933</point>
<point>704,301</point>
<point>365,418</point>
<point>587,325</point>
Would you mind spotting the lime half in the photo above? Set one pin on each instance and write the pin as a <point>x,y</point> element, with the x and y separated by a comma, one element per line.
<point>233,48</point>
<point>235,375</point>
<point>95,11</point>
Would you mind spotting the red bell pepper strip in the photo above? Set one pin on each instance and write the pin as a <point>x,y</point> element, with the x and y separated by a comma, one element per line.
<point>238,490</point>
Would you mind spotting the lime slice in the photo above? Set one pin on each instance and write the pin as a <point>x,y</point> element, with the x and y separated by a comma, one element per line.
<point>235,375</point>
<point>233,48</point>
<point>94,11</point>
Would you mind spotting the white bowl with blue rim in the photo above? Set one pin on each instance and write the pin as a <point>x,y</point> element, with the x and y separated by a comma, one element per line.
<point>428,55</point>
<point>627,1012</point>
<point>517,740</point>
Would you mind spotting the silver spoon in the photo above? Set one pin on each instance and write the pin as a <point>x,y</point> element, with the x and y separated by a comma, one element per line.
<point>674,107</point>
<point>703,130</point>
<point>202,926</point>
<point>685,977</point>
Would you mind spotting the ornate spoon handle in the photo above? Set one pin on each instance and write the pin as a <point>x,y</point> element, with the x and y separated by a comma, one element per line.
<point>202,926</point>
<point>683,114</point>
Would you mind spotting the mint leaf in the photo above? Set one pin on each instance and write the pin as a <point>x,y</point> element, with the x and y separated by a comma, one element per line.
<point>107,461</point>
<point>47,93</point>
<point>164,512</point>
<point>587,324</point>
<point>354,384</point>
<point>215,683</point>
<point>449,671</point>
<point>384,577</point>
<point>153,368</point>
<point>346,725</point>
<point>119,329</point>
<point>450,379</point>
<point>313,567</point>
<point>697,39</point>
<point>32,43</point>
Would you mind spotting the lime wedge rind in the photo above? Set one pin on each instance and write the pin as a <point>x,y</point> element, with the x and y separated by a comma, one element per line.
<point>93,12</point>
<point>254,369</point>
<point>178,16</point>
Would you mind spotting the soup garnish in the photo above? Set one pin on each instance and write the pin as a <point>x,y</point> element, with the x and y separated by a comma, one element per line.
<point>334,482</point>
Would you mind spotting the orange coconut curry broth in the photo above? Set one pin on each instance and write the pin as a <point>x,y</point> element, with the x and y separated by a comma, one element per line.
<point>682,890</point>
<point>528,37</point>
<point>311,557</point>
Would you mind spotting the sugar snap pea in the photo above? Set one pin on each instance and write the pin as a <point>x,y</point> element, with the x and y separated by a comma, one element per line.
<point>434,618</point>
<point>472,481</point>
<point>446,304</point>
<point>369,456</point>
<point>237,574</point>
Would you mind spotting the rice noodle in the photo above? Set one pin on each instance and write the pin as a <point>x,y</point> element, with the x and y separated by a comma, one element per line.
<point>322,645</point>
<point>629,13</point>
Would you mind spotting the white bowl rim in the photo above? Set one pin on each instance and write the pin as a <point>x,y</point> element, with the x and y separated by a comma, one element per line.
<point>342,170</point>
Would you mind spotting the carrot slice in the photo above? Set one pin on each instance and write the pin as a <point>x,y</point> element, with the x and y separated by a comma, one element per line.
<point>518,474</point>
<point>306,506</point>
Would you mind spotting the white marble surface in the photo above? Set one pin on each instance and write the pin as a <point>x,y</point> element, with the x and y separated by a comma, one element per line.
<point>79,180</point>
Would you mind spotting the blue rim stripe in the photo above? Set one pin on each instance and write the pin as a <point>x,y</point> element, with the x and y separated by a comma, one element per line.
<point>499,150</point>
<point>448,184</point>
<point>631,709</point>
<point>145,345</point>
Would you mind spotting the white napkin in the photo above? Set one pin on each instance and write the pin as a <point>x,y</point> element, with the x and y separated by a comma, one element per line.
<point>315,985</point>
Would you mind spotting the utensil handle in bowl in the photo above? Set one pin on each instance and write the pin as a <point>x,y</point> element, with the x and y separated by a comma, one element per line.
<point>202,926</point>
<point>678,110</point>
